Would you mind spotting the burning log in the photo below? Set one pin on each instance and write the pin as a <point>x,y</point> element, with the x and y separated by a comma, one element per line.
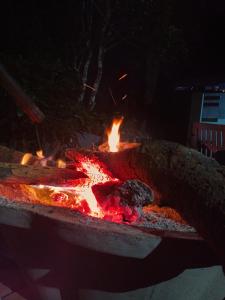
<point>12,173</point>
<point>181,178</point>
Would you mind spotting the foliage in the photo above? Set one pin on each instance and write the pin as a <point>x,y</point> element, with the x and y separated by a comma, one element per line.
<point>54,88</point>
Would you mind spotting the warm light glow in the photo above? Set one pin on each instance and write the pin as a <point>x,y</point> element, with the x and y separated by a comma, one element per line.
<point>96,175</point>
<point>26,158</point>
<point>78,194</point>
<point>114,136</point>
<point>61,163</point>
<point>81,192</point>
<point>40,154</point>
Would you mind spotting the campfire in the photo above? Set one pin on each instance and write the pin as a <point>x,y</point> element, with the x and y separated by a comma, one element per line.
<point>88,195</point>
<point>84,183</point>
<point>129,193</point>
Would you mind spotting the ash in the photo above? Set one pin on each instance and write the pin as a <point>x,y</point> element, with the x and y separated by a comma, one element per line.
<point>155,221</point>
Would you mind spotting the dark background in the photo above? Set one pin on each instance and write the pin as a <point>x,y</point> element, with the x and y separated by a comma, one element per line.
<point>39,40</point>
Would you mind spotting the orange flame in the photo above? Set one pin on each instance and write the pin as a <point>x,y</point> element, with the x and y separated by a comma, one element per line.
<point>114,136</point>
<point>79,194</point>
<point>26,158</point>
<point>61,163</point>
<point>40,154</point>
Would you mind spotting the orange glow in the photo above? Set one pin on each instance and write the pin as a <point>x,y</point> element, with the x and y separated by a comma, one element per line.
<point>40,154</point>
<point>114,136</point>
<point>26,158</point>
<point>61,163</point>
<point>96,175</point>
<point>79,194</point>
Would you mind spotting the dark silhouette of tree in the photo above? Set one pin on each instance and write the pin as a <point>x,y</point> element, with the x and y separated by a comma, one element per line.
<point>142,26</point>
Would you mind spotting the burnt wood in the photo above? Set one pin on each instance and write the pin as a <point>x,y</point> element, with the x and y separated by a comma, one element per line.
<point>181,178</point>
<point>12,173</point>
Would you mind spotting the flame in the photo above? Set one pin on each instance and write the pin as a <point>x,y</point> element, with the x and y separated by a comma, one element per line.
<point>78,194</point>
<point>96,175</point>
<point>114,136</point>
<point>26,158</point>
<point>40,154</point>
<point>61,163</point>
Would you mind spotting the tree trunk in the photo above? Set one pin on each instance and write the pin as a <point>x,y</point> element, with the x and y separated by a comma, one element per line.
<point>84,77</point>
<point>92,100</point>
<point>152,76</point>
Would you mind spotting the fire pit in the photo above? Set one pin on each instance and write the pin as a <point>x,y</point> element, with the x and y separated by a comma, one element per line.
<point>109,202</point>
<point>89,199</point>
<point>114,184</point>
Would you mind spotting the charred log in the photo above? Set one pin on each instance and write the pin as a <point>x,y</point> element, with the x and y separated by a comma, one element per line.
<point>181,178</point>
<point>133,193</point>
<point>12,173</point>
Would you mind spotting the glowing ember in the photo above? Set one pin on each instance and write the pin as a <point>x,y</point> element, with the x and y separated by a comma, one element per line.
<point>40,154</point>
<point>114,136</point>
<point>61,163</point>
<point>79,195</point>
<point>26,158</point>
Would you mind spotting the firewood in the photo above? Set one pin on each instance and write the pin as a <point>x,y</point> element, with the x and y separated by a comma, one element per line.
<point>133,193</point>
<point>181,178</point>
<point>21,99</point>
<point>10,155</point>
<point>22,174</point>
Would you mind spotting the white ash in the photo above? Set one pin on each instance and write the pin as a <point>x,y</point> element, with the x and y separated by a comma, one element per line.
<point>158,222</point>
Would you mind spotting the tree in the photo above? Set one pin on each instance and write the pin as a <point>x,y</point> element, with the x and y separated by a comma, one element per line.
<point>104,26</point>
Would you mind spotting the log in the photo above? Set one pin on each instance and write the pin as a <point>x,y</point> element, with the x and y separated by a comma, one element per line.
<point>11,173</point>
<point>10,155</point>
<point>21,99</point>
<point>181,178</point>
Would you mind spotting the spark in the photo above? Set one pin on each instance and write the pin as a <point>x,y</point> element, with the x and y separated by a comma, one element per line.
<point>123,76</point>
<point>90,87</point>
